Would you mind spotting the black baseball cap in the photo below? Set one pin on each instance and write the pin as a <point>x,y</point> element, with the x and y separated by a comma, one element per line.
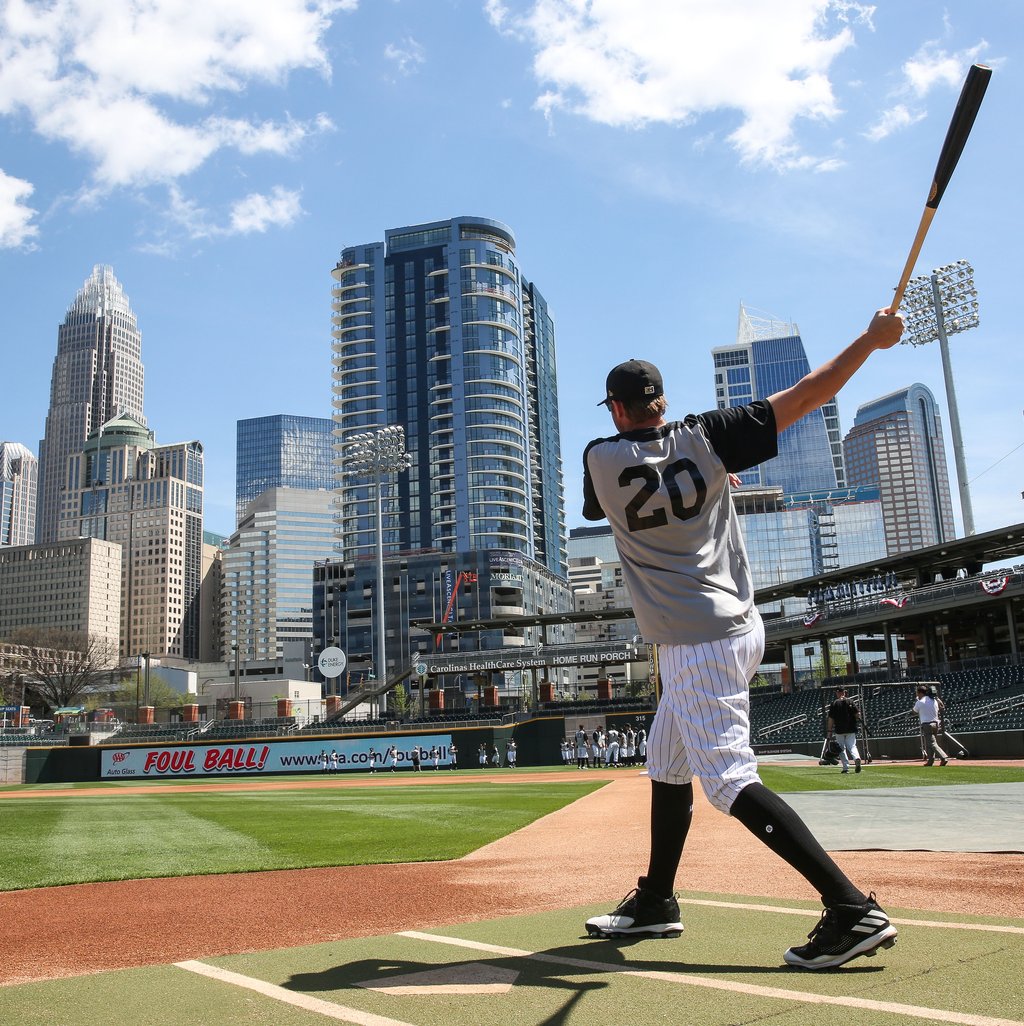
<point>634,379</point>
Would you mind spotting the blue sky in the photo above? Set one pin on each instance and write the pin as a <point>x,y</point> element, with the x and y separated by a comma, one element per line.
<point>659,161</point>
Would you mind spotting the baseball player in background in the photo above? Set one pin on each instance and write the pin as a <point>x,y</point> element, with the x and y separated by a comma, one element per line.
<point>664,488</point>
<point>843,718</point>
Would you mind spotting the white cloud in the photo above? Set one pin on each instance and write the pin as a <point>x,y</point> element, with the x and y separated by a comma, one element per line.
<point>121,82</point>
<point>895,119</point>
<point>257,213</point>
<point>407,57</point>
<point>932,66</point>
<point>16,228</point>
<point>633,63</point>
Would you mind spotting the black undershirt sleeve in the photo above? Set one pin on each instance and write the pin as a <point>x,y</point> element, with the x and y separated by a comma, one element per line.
<point>591,504</point>
<point>742,436</point>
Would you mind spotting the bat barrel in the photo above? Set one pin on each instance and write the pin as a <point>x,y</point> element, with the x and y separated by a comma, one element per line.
<point>959,129</point>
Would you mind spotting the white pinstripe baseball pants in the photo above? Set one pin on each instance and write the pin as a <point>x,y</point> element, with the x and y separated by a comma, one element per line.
<point>702,726</point>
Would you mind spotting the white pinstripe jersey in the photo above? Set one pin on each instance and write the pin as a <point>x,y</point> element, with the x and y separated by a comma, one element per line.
<point>665,492</point>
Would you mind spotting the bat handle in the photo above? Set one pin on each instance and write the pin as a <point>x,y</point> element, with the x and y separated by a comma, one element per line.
<point>915,251</point>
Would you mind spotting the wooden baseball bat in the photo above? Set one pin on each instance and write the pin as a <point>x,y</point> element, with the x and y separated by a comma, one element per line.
<point>956,137</point>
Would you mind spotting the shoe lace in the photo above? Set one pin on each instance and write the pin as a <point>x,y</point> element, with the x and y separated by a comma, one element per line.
<point>827,924</point>
<point>629,900</point>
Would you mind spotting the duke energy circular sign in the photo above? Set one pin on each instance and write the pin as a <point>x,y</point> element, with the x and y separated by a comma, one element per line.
<point>332,662</point>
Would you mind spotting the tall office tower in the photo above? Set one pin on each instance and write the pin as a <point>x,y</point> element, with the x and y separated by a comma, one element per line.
<point>268,571</point>
<point>437,330</point>
<point>281,451</point>
<point>19,472</point>
<point>123,487</point>
<point>895,445</point>
<point>769,356</point>
<point>97,375</point>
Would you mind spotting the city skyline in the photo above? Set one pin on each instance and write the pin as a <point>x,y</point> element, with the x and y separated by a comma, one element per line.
<point>647,198</point>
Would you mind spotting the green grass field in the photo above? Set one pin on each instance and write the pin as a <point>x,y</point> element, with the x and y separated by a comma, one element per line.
<point>55,840</point>
<point>788,779</point>
<point>121,835</point>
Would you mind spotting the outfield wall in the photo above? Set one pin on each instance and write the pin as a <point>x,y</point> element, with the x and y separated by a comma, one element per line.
<point>538,743</point>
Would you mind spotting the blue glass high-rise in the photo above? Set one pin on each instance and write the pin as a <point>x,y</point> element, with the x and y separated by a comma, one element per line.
<point>436,329</point>
<point>768,357</point>
<point>281,451</point>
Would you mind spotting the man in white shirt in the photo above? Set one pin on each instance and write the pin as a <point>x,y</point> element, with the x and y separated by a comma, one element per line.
<point>927,708</point>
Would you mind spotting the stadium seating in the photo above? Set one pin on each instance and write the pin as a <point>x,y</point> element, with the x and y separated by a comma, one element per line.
<point>31,740</point>
<point>986,698</point>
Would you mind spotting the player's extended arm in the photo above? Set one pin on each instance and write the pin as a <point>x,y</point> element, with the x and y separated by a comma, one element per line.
<point>822,384</point>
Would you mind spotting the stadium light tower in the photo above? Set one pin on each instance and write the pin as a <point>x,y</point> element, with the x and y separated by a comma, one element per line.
<point>935,306</point>
<point>376,455</point>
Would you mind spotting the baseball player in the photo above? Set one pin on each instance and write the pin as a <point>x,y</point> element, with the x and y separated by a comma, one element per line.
<point>581,748</point>
<point>612,759</point>
<point>665,489</point>
<point>927,708</point>
<point>843,717</point>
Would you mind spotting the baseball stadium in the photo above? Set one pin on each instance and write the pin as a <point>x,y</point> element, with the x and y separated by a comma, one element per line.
<point>211,878</point>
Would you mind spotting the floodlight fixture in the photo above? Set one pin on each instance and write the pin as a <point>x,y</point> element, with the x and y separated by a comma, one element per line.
<point>936,306</point>
<point>378,454</point>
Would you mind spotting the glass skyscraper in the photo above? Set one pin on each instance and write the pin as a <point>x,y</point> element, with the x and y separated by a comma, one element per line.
<point>895,445</point>
<point>437,330</point>
<point>768,357</point>
<point>97,375</point>
<point>281,451</point>
<point>19,471</point>
<point>268,571</point>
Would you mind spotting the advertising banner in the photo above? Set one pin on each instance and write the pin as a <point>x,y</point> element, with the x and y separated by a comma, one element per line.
<point>336,755</point>
<point>510,659</point>
<point>506,568</point>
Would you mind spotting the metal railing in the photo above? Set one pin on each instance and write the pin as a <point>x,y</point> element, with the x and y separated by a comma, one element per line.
<point>777,728</point>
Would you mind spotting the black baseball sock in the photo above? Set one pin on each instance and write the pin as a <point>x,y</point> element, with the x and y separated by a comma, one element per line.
<point>671,812</point>
<point>771,820</point>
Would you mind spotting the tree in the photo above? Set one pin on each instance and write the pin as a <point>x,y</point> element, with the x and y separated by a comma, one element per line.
<point>61,666</point>
<point>400,701</point>
<point>638,688</point>
<point>11,684</point>
<point>161,694</point>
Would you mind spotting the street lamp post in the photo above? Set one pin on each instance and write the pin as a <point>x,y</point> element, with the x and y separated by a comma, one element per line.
<point>376,455</point>
<point>936,306</point>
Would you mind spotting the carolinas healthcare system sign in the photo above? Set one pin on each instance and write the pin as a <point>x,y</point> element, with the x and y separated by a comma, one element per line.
<point>285,757</point>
